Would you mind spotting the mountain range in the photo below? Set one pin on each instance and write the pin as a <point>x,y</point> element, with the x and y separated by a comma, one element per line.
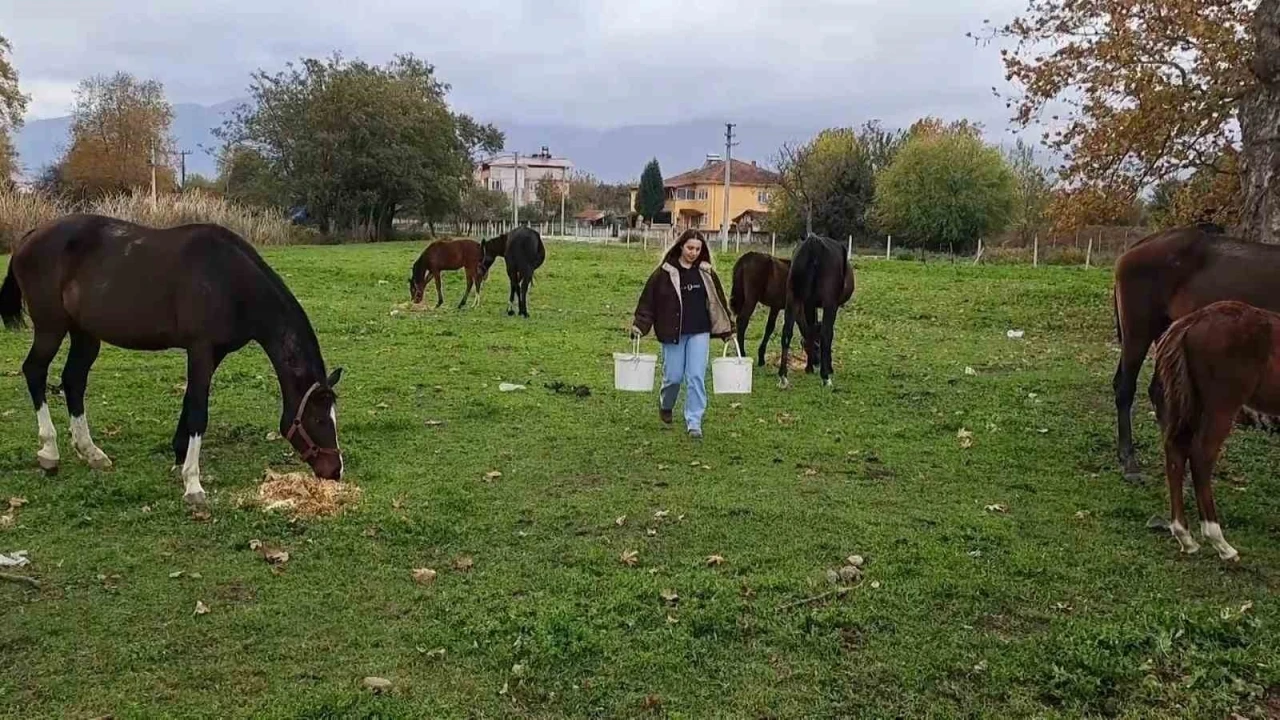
<point>612,155</point>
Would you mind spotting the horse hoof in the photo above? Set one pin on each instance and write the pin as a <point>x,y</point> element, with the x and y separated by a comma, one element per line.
<point>1232,557</point>
<point>50,467</point>
<point>100,463</point>
<point>1134,477</point>
<point>784,383</point>
<point>195,500</point>
<point>510,313</point>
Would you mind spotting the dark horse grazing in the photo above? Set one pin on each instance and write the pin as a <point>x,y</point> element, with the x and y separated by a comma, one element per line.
<point>1173,273</point>
<point>523,252</point>
<point>820,277</point>
<point>1210,364</point>
<point>447,255</point>
<point>758,278</point>
<point>200,288</point>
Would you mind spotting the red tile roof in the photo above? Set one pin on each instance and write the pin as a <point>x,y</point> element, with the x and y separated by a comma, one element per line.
<point>740,173</point>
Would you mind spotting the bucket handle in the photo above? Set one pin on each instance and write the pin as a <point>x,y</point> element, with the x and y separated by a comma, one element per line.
<point>735,346</point>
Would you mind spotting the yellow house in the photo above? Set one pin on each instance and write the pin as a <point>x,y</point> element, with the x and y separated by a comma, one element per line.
<point>695,199</point>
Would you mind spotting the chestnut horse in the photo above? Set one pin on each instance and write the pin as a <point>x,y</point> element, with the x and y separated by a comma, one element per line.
<point>447,255</point>
<point>820,277</point>
<point>1167,275</point>
<point>199,288</point>
<point>1210,364</point>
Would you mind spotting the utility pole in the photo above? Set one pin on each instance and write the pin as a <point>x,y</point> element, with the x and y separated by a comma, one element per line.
<point>515,192</point>
<point>183,155</point>
<point>724,221</point>
<point>153,173</point>
<point>564,193</point>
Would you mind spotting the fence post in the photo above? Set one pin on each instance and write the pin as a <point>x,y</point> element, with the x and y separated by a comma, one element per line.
<point>1088,255</point>
<point>1035,251</point>
<point>850,251</point>
<point>978,257</point>
<point>773,243</point>
<point>888,247</point>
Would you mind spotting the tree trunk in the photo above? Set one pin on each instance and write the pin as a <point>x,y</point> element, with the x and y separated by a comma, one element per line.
<point>1260,131</point>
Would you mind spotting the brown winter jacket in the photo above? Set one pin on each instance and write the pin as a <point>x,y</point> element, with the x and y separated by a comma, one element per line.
<point>660,303</point>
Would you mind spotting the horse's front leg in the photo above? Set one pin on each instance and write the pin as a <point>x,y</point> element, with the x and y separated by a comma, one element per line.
<point>195,407</point>
<point>788,330</point>
<point>44,347</point>
<point>511,298</point>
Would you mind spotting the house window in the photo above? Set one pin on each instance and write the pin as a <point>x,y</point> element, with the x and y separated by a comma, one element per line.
<point>495,184</point>
<point>762,197</point>
<point>702,194</point>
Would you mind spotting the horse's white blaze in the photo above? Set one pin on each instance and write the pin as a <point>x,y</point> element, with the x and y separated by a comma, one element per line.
<point>48,435</point>
<point>1213,532</point>
<point>1188,544</point>
<point>191,468</point>
<point>333,415</point>
<point>83,441</point>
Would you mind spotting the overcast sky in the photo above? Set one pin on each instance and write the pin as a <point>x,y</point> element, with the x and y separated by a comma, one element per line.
<point>598,64</point>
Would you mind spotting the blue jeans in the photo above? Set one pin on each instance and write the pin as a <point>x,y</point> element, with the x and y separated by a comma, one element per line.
<point>686,361</point>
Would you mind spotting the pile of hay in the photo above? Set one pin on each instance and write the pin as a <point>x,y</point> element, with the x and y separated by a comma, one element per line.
<point>302,494</point>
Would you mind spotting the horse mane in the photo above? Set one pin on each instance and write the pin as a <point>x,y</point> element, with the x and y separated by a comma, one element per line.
<point>280,290</point>
<point>1179,392</point>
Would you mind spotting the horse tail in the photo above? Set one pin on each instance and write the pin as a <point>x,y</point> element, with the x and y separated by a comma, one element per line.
<point>1179,390</point>
<point>11,300</point>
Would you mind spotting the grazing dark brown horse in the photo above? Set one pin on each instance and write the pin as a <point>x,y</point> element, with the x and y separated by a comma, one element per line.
<point>200,288</point>
<point>447,255</point>
<point>523,252</point>
<point>1167,275</point>
<point>1210,364</point>
<point>820,277</point>
<point>758,278</point>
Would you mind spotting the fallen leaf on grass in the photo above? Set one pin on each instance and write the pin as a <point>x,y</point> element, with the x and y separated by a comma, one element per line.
<point>671,596</point>
<point>1082,514</point>
<point>714,560</point>
<point>651,532</point>
<point>376,684</point>
<point>660,514</point>
<point>998,507</point>
<point>620,520</point>
<point>201,608</point>
<point>424,576</point>
<point>175,574</point>
<point>492,475</point>
<point>629,558</point>
<point>970,371</point>
<point>735,406</point>
<point>434,423</point>
<point>7,521</point>
<point>464,563</point>
<point>966,438</point>
<point>16,502</point>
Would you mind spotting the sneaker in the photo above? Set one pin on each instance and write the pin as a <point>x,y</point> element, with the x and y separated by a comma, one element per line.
<point>665,415</point>
<point>695,433</point>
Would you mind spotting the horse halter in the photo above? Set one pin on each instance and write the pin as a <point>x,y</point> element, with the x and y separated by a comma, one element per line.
<point>312,449</point>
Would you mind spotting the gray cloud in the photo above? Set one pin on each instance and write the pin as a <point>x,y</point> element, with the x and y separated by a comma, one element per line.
<point>594,64</point>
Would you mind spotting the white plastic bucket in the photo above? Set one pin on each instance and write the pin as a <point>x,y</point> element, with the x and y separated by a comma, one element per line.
<point>731,375</point>
<point>634,371</point>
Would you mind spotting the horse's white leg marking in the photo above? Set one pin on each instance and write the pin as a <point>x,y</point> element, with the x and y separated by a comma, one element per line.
<point>1188,544</point>
<point>333,415</point>
<point>193,493</point>
<point>1213,533</point>
<point>48,453</point>
<point>83,443</point>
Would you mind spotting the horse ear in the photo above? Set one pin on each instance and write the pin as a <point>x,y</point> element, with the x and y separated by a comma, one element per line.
<point>334,377</point>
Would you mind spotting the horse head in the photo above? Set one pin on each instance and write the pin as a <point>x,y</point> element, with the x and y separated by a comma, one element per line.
<point>313,429</point>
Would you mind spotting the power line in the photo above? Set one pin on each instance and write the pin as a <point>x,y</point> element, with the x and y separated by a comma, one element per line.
<point>728,160</point>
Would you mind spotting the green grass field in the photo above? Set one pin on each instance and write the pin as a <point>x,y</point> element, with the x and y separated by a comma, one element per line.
<point>1066,605</point>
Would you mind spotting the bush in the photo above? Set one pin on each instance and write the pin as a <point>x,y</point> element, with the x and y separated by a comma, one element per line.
<point>21,212</point>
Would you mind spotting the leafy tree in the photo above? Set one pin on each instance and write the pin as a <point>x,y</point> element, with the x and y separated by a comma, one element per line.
<point>827,185</point>
<point>1133,93</point>
<point>480,204</point>
<point>652,194</point>
<point>1032,193</point>
<point>199,183</point>
<point>119,124</point>
<point>547,192</point>
<point>945,191</point>
<point>357,143</point>
<point>12,106</point>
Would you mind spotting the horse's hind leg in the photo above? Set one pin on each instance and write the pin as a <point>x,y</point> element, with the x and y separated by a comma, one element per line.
<point>826,341</point>
<point>1204,455</point>
<point>75,380</point>
<point>524,295</point>
<point>1175,468</point>
<point>811,339</point>
<point>788,329</point>
<point>511,298</point>
<point>36,369</point>
<point>768,331</point>
<point>1133,352</point>
<point>467,293</point>
<point>744,319</point>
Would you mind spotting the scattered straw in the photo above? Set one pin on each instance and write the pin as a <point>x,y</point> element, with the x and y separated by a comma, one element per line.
<point>301,494</point>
